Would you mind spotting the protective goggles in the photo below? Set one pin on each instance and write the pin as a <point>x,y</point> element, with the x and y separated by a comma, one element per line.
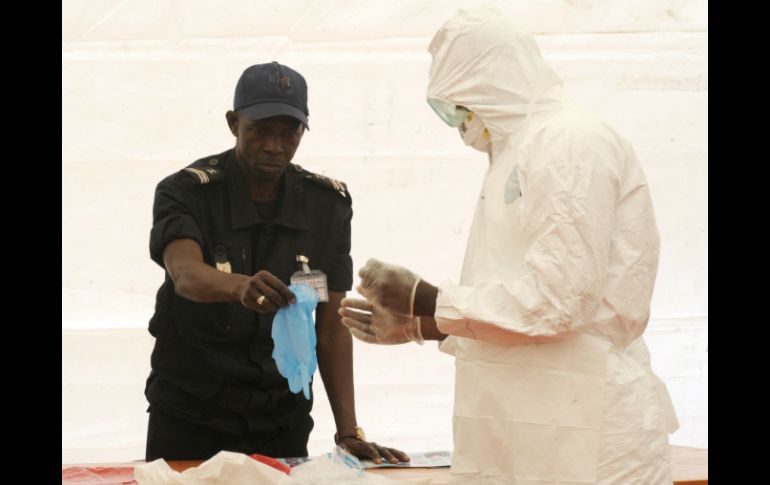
<point>451,115</point>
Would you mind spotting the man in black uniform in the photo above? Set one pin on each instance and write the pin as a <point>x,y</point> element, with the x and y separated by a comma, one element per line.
<point>229,230</point>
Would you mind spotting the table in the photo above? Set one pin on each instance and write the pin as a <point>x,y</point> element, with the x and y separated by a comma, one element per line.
<point>689,466</point>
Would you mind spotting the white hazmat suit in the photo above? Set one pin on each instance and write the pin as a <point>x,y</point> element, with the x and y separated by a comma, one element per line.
<point>553,381</point>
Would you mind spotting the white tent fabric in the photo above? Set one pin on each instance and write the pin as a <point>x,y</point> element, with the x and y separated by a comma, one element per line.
<point>145,84</point>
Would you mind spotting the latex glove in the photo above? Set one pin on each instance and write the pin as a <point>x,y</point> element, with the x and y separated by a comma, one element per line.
<point>390,286</point>
<point>375,325</point>
<point>294,337</point>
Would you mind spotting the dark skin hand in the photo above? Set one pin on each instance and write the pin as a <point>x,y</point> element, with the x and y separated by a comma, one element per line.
<point>373,451</point>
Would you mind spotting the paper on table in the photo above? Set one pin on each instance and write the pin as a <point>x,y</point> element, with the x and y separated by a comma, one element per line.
<point>239,469</point>
<point>224,467</point>
<point>421,459</point>
<point>425,459</point>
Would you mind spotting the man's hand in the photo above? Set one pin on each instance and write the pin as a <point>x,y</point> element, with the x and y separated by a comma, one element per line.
<point>372,451</point>
<point>265,293</point>
<point>375,325</point>
<point>389,286</point>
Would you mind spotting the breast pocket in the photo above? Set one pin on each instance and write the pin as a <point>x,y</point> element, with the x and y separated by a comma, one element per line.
<point>512,187</point>
<point>230,252</point>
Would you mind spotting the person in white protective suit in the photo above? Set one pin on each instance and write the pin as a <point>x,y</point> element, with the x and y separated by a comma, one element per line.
<point>553,378</point>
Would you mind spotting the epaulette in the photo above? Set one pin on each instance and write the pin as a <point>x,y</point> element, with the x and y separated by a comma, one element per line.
<point>205,171</point>
<point>329,182</point>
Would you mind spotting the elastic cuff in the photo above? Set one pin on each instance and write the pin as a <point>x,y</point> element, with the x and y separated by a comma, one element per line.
<point>411,297</point>
<point>418,331</point>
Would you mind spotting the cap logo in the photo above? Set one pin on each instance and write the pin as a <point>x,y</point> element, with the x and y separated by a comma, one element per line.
<point>281,81</point>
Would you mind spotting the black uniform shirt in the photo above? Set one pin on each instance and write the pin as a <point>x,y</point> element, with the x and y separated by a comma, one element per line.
<point>214,360</point>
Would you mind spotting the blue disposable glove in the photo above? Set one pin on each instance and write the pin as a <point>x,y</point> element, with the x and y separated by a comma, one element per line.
<point>294,337</point>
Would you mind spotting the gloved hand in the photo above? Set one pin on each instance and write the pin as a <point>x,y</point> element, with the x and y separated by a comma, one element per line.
<point>389,286</point>
<point>294,337</point>
<point>375,325</point>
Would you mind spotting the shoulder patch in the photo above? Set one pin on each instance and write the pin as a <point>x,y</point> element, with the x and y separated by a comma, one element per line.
<point>334,184</point>
<point>206,175</point>
<point>205,171</point>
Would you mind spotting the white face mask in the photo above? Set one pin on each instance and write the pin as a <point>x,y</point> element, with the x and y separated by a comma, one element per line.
<point>474,133</point>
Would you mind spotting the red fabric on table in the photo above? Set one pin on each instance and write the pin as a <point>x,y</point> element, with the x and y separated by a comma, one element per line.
<point>98,475</point>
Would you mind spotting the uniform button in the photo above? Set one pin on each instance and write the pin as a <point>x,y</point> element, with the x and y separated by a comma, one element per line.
<point>213,161</point>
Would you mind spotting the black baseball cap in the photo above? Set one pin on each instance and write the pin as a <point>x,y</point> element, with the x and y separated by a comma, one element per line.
<point>272,89</point>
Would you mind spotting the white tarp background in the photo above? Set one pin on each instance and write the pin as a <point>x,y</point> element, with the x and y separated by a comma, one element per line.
<point>146,83</point>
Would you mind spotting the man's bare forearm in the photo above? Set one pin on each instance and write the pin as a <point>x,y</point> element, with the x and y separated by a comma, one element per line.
<point>194,279</point>
<point>335,363</point>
